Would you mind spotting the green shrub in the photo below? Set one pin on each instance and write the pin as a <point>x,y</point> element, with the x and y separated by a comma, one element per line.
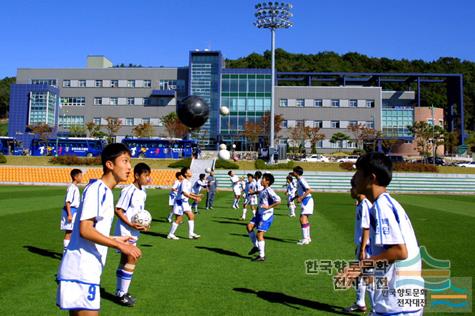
<point>186,162</point>
<point>76,161</point>
<point>261,164</point>
<point>225,164</point>
<point>347,166</point>
<point>3,159</point>
<point>399,166</point>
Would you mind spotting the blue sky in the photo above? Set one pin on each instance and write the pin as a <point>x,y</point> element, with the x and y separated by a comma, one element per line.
<point>54,33</point>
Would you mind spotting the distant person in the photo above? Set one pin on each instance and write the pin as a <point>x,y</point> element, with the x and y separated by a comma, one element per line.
<point>80,270</point>
<point>236,186</point>
<point>212,187</point>
<point>71,204</point>
<point>172,195</point>
<point>196,189</point>
<point>291,190</point>
<point>304,197</point>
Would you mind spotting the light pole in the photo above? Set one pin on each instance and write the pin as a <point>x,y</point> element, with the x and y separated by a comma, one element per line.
<point>273,15</point>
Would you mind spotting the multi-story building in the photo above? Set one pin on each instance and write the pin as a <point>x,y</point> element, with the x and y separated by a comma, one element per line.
<point>65,97</point>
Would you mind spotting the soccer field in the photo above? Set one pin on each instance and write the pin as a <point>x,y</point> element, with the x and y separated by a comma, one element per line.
<point>214,275</point>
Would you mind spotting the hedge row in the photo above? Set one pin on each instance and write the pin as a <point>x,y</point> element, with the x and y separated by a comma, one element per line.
<point>398,166</point>
<point>75,161</point>
<point>261,164</point>
<point>3,159</point>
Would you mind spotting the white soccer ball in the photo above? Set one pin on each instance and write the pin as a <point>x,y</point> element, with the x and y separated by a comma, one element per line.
<point>142,218</point>
<point>224,110</point>
<point>224,154</point>
<point>208,170</point>
<point>222,147</point>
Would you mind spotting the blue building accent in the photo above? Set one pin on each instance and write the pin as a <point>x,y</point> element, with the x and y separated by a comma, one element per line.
<point>19,111</point>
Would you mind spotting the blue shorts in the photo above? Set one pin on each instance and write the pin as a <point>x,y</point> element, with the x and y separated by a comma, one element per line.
<point>261,224</point>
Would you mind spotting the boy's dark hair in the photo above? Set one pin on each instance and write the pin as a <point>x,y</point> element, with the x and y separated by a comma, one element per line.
<point>378,164</point>
<point>74,173</point>
<point>289,177</point>
<point>184,170</point>
<point>269,177</point>
<point>178,174</point>
<point>202,176</point>
<point>141,168</point>
<point>298,170</point>
<point>352,182</point>
<point>229,172</point>
<point>258,174</point>
<point>111,152</point>
<point>250,175</point>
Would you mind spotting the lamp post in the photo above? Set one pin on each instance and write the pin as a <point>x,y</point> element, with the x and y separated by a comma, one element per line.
<point>273,15</point>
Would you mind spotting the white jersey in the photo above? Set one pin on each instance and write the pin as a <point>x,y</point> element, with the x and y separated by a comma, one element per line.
<point>72,196</point>
<point>185,186</point>
<point>259,186</point>
<point>390,225</point>
<point>267,197</point>
<point>174,187</point>
<point>199,184</point>
<point>131,201</point>
<point>291,188</point>
<point>302,186</point>
<point>235,182</point>
<point>84,260</point>
<point>361,220</point>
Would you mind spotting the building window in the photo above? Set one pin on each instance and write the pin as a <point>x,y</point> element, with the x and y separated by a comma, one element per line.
<point>147,83</point>
<point>335,124</point>
<point>66,83</point>
<point>73,101</point>
<point>318,124</point>
<point>300,102</point>
<point>97,121</point>
<point>114,83</point>
<point>131,83</point>
<point>98,83</point>
<point>49,82</point>
<point>353,103</point>
<point>68,120</point>
<point>97,101</point>
<point>170,84</point>
<point>320,144</point>
<point>284,124</point>
<point>114,101</point>
<point>370,103</point>
<point>284,102</point>
<point>335,103</point>
<point>130,101</point>
<point>129,121</point>
<point>318,103</point>
<point>162,102</point>
<point>353,123</point>
<point>146,101</point>
<point>82,83</point>
<point>369,124</point>
<point>146,120</point>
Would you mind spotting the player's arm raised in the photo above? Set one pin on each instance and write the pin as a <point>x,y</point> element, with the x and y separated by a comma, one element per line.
<point>87,231</point>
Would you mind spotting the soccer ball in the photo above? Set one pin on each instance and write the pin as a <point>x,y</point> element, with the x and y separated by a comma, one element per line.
<point>224,154</point>
<point>142,218</point>
<point>224,110</point>
<point>222,147</point>
<point>208,170</point>
<point>192,111</point>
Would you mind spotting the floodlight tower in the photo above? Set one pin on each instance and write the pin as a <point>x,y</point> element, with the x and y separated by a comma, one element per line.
<point>273,15</point>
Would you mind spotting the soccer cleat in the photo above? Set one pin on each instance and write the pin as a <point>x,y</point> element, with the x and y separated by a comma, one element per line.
<point>169,219</point>
<point>253,251</point>
<point>171,236</point>
<point>304,241</point>
<point>355,308</point>
<point>126,300</point>
<point>194,236</point>
<point>259,258</point>
<point>235,207</point>
<point>242,218</point>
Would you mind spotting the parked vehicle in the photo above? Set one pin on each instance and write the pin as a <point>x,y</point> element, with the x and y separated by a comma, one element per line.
<point>467,164</point>
<point>316,158</point>
<point>348,159</point>
<point>160,147</point>
<point>77,146</point>
<point>396,158</point>
<point>430,161</point>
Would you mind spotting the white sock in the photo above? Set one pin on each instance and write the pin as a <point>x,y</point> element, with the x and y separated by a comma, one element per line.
<point>292,210</point>
<point>65,244</point>
<point>370,290</point>
<point>360,292</point>
<point>261,244</point>
<point>170,216</point>
<point>173,228</point>
<point>252,235</point>
<point>244,211</point>
<point>308,231</point>
<point>191,227</point>
<point>123,281</point>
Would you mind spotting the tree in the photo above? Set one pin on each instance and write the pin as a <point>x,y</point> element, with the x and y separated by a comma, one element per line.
<point>5,95</point>
<point>339,138</point>
<point>314,136</point>
<point>93,129</point>
<point>297,135</point>
<point>470,141</point>
<point>174,126</point>
<point>426,136</point>
<point>43,130</point>
<point>451,140</point>
<point>143,130</point>
<point>265,125</point>
<point>251,132</point>
<point>359,132</point>
<point>112,127</point>
<point>77,131</point>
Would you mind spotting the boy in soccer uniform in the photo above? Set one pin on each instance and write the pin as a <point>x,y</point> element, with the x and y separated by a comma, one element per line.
<point>196,189</point>
<point>291,189</point>
<point>82,264</point>
<point>182,206</point>
<point>247,200</point>
<point>268,199</point>
<point>131,201</point>
<point>236,186</point>
<point>172,195</point>
<point>71,204</point>
<point>304,197</point>
<point>392,239</point>
<point>363,250</point>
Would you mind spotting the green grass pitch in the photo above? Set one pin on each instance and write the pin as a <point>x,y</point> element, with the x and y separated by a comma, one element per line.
<point>214,275</point>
